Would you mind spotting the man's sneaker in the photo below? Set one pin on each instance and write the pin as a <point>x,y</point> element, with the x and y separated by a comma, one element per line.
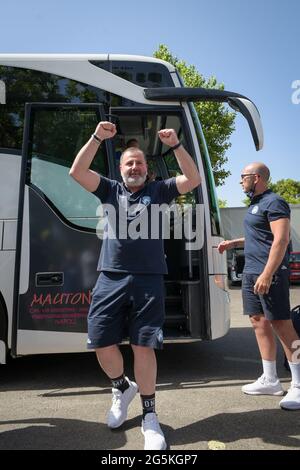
<point>154,438</point>
<point>292,399</point>
<point>263,386</point>
<point>120,402</point>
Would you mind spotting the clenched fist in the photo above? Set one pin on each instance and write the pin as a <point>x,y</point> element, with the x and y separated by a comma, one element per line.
<point>168,137</point>
<point>225,245</point>
<point>105,130</point>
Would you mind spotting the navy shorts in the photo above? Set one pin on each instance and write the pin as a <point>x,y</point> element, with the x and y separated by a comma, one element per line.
<point>126,305</point>
<point>275,305</point>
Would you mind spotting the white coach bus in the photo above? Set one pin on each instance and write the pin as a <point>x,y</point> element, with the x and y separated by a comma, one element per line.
<point>49,106</point>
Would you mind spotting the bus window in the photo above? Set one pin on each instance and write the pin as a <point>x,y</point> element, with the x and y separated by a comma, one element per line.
<point>25,85</point>
<point>145,74</point>
<point>143,125</point>
<point>57,136</point>
<point>11,132</point>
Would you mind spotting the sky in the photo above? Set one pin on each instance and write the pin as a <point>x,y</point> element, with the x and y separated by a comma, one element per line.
<point>252,46</point>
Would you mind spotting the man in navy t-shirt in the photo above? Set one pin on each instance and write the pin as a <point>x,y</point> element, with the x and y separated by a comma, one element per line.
<point>265,286</point>
<point>132,265</point>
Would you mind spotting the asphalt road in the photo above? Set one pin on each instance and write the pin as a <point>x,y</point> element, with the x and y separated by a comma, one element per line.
<point>60,401</point>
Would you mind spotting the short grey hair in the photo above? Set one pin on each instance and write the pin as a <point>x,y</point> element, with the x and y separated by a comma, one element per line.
<point>132,150</point>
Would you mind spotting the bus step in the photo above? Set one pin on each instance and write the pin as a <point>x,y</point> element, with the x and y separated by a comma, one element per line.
<point>175,317</point>
<point>173,300</point>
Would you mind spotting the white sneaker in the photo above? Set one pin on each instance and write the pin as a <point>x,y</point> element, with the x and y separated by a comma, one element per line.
<point>120,402</point>
<point>263,386</point>
<point>154,438</point>
<point>292,399</point>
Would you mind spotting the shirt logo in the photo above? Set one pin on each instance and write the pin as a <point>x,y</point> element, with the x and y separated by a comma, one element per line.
<point>146,200</point>
<point>254,210</point>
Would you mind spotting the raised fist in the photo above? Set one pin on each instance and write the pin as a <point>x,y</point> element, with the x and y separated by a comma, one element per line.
<point>105,130</point>
<point>168,137</point>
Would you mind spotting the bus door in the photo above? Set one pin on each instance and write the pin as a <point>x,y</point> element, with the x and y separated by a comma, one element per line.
<point>57,243</point>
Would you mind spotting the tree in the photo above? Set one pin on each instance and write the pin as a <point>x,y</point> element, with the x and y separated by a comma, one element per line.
<point>287,188</point>
<point>216,120</point>
<point>222,203</point>
<point>246,201</point>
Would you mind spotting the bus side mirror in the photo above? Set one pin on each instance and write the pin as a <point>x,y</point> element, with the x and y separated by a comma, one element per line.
<point>250,112</point>
<point>235,100</point>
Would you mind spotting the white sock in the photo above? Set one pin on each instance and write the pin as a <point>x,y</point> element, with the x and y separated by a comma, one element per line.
<point>295,371</point>
<point>270,370</point>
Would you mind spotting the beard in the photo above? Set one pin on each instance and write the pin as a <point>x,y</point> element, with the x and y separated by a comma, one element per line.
<point>134,180</point>
<point>250,192</point>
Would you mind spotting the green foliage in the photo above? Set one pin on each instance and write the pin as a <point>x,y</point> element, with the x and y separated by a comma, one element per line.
<point>222,203</point>
<point>246,201</point>
<point>34,86</point>
<point>216,120</point>
<point>288,189</point>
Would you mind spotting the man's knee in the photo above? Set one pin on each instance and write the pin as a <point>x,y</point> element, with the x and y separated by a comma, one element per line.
<point>256,319</point>
<point>259,322</point>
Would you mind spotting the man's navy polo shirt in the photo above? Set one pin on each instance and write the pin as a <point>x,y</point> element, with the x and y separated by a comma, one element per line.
<point>133,255</point>
<point>264,208</point>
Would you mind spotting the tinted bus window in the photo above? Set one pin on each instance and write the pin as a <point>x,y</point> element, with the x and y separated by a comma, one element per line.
<point>25,86</point>
<point>145,74</point>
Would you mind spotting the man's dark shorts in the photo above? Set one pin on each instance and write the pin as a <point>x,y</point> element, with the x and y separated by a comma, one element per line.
<point>275,305</point>
<point>126,305</point>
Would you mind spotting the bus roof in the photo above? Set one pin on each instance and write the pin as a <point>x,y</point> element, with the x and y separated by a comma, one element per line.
<point>83,57</point>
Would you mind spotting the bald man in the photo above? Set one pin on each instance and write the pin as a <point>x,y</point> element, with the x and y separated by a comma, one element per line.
<point>265,287</point>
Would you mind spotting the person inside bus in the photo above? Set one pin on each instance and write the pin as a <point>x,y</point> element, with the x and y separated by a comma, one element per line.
<point>133,143</point>
<point>130,286</point>
<point>265,285</point>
